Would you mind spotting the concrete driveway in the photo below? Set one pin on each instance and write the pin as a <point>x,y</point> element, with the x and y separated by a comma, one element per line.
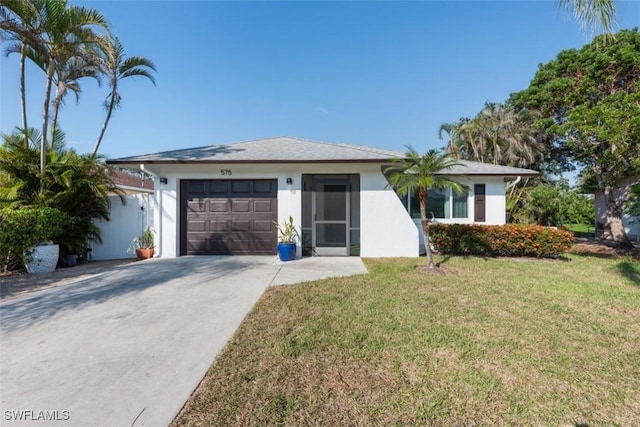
<point>128,346</point>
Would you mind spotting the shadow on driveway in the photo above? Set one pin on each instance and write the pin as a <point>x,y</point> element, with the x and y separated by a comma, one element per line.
<point>118,282</point>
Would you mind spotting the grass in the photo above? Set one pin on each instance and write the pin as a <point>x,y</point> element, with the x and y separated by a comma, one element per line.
<point>581,230</point>
<point>484,342</point>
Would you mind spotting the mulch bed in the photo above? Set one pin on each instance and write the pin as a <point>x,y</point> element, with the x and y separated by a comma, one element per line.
<point>602,249</point>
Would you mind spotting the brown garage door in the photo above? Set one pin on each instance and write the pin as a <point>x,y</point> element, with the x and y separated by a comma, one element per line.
<point>228,217</point>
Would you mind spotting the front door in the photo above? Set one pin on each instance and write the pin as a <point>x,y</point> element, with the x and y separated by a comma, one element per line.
<point>330,206</point>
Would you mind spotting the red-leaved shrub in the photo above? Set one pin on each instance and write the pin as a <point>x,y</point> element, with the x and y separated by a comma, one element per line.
<point>501,240</point>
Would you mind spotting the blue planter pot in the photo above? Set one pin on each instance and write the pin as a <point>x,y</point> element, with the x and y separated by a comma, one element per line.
<point>287,251</point>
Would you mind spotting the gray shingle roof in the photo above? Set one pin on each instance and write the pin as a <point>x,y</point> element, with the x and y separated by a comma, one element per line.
<point>285,149</point>
<point>271,150</point>
<point>476,168</point>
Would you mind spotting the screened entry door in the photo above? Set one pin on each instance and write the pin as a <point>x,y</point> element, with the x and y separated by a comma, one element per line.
<point>331,218</point>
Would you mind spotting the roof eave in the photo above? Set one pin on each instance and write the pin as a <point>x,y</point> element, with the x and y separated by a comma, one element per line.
<point>514,175</point>
<point>175,161</point>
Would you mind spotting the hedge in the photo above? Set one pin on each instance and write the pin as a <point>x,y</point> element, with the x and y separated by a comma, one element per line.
<point>509,240</point>
<point>24,227</point>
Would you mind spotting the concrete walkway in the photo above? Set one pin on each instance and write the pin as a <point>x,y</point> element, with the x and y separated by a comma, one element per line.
<point>128,346</point>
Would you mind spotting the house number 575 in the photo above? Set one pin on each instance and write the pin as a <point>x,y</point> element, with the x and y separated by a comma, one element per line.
<point>224,172</point>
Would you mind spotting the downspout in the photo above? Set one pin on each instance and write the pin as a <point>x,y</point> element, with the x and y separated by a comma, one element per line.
<point>513,183</point>
<point>159,207</point>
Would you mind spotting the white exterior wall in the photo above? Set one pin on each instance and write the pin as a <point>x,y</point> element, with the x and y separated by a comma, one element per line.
<point>495,204</point>
<point>385,226</point>
<point>386,229</point>
<point>127,222</point>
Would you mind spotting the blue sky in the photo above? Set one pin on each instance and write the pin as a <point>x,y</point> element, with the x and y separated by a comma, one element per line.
<point>382,74</point>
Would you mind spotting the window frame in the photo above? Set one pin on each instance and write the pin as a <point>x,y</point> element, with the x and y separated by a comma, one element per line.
<point>406,201</point>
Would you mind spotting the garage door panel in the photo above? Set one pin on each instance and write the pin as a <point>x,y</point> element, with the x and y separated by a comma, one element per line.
<point>229,217</point>
<point>240,188</point>
<point>263,246</point>
<point>240,206</point>
<point>262,226</point>
<point>197,206</point>
<point>219,226</point>
<point>240,225</point>
<point>196,188</point>
<point>262,206</point>
<point>218,188</point>
<point>240,244</point>
<point>218,247</point>
<point>220,205</point>
<point>265,188</point>
<point>197,225</point>
<point>197,244</point>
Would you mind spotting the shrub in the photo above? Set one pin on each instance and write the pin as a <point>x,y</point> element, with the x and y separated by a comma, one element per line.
<point>24,227</point>
<point>501,240</point>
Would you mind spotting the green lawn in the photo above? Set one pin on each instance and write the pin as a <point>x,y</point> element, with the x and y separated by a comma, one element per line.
<point>581,230</point>
<point>483,342</point>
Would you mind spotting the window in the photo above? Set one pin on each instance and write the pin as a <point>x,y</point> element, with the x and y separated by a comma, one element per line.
<point>443,203</point>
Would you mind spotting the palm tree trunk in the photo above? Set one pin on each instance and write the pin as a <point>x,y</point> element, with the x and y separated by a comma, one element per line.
<point>106,122</point>
<point>23,98</point>
<point>45,120</point>
<point>422,197</point>
<point>57,100</point>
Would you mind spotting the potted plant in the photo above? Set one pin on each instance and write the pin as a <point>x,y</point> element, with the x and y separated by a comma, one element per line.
<point>73,242</point>
<point>145,244</point>
<point>47,224</point>
<point>286,241</point>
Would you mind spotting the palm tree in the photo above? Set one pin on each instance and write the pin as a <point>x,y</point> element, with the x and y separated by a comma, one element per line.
<point>68,72</point>
<point>20,178</point>
<point>420,173</point>
<point>593,13</point>
<point>116,66</point>
<point>67,31</point>
<point>452,130</point>
<point>19,20</point>
<point>51,30</point>
<point>497,135</point>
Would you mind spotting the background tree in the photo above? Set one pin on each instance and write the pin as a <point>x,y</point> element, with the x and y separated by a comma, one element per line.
<point>420,173</point>
<point>553,203</point>
<point>115,66</point>
<point>499,135</point>
<point>590,105</point>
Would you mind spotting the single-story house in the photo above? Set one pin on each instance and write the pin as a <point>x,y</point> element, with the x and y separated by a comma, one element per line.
<point>223,199</point>
<point>128,220</point>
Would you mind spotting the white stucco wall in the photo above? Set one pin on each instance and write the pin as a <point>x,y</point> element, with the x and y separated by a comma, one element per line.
<point>127,222</point>
<point>385,227</point>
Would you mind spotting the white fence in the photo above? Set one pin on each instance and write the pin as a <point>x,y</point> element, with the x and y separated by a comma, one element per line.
<point>127,222</point>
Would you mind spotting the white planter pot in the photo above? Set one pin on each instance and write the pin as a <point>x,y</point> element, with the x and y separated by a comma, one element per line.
<point>43,259</point>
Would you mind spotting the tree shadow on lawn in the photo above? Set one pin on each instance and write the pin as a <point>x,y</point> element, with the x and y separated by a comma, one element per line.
<point>630,270</point>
